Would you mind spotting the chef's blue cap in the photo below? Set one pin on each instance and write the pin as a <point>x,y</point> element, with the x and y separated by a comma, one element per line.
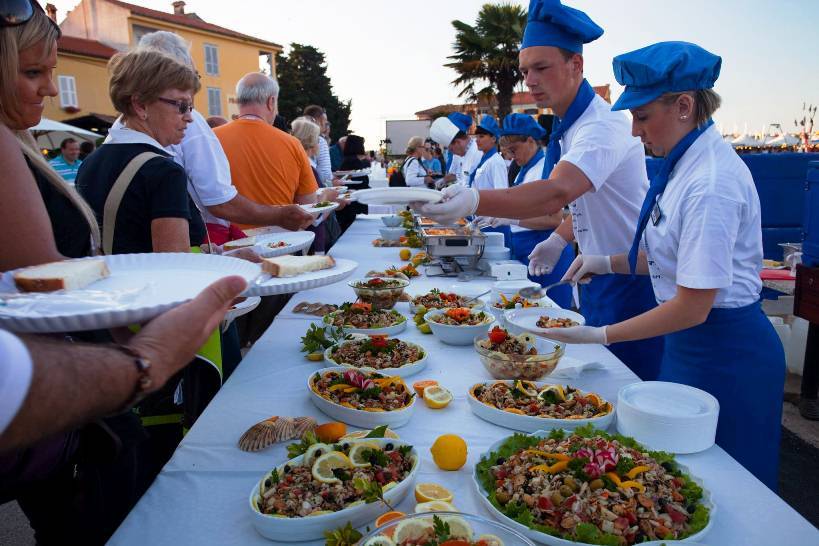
<point>665,67</point>
<point>550,23</point>
<point>462,121</point>
<point>488,125</point>
<point>522,124</point>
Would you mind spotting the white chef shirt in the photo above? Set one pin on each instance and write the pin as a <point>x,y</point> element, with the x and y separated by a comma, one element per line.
<point>206,165</point>
<point>413,172</point>
<point>535,173</point>
<point>492,175</point>
<point>600,144</point>
<point>15,377</point>
<point>469,161</point>
<point>709,234</point>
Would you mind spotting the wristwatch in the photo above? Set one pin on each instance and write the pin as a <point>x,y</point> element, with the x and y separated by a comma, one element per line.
<point>144,381</point>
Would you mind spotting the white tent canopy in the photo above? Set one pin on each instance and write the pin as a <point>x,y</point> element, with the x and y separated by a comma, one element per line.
<point>745,141</point>
<point>783,140</point>
<point>50,133</point>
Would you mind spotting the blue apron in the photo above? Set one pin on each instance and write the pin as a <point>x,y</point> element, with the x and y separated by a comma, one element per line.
<point>736,356</point>
<point>523,242</point>
<point>609,299</point>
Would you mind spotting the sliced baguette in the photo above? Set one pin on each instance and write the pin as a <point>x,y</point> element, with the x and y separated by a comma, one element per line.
<point>68,275</point>
<point>290,266</point>
<point>240,243</point>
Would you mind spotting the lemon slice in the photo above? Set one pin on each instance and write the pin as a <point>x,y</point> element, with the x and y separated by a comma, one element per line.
<point>319,513</point>
<point>435,506</point>
<point>357,453</point>
<point>380,540</point>
<point>458,527</point>
<point>412,529</point>
<point>323,467</point>
<point>526,338</point>
<point>425,492</point>
<point>389,433</point>
<point>437,397</point>
<point>557,389</point>
<point>314,452</point>
<point>490,540</point>
<point>526,387</point>
<point>388,486</point>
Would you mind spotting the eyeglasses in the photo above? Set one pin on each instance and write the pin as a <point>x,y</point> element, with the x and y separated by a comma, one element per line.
<point>182,106</point>
<point>16,12</point>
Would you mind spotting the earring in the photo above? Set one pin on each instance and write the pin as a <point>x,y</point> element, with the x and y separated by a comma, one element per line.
<point>683,117</point>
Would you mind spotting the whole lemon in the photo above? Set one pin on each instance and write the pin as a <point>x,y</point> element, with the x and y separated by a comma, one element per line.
<point>449,452</point>
<point>405,254</point>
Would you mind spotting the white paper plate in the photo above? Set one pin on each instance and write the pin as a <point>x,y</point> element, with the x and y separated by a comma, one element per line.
<point>385,331</point>
<point>526,319</point>
<point>529,423</point>
<point>396,196</point>
<point>313,527</point>
<point>544,538</point>
<point>359,172</point>
<point>287,285</point>
<point>360,418</point>
<point>297,241</point>
<point>318,211</point>
<point>404,371</point>
<point>140,287</point>
<point>242,308</point>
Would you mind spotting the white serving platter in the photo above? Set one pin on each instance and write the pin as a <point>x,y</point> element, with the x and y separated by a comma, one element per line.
<point>296,242</point>
<point>406,370</point>
<point>140,287</point>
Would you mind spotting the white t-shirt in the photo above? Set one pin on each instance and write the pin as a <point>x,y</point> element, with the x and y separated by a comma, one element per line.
<point>535,173</point>
<point>709,234</point>
<point>206,165</point>
<point>492,175</point>
<point>600,144</point>
<point>15,377</point>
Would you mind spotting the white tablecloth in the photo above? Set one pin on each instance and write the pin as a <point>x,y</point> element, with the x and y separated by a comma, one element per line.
<point>201,496</point>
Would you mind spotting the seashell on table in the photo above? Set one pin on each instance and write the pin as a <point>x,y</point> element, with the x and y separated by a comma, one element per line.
<point>275,429</point>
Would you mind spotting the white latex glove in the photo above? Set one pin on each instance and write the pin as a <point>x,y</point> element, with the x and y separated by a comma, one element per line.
<point>545,255</point>
<point>578,334</point>
<point>459,201</point>
<point>496,222</point>
<point>482,221</point>
<point>586,265</point>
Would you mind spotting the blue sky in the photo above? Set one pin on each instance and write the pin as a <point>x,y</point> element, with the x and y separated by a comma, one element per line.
<point>387,55</point>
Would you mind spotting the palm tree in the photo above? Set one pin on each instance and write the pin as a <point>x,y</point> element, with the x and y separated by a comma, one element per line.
<point>487,55</point>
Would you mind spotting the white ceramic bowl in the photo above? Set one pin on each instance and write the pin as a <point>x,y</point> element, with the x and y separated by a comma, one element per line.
<point>529,423</point>
<point>385,331</point>
<point>668,416</point>
<point>404,371</point>
<point>544,538</point>
<point>526,319</point>
<point>391,233</point>
<point>474,304</point>
<point>392,221</point>
<point>480,526</point>
<point>458,335</point>
<point>313,527</point>
<point>360,418</point>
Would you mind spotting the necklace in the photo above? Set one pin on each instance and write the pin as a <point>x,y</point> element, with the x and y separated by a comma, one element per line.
<point>245,116</point>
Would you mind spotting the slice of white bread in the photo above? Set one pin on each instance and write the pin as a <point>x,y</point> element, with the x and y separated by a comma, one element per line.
<point>68,275</point>
<point>290,266</point>
<point>239,243</point>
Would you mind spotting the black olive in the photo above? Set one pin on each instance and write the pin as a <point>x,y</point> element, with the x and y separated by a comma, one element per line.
<point>691,508</point>
<point>267,483</point>
<point>668,466</point>
<point>528,489</point>
<point>345,446</point>
<point>639,536</point>
<point>287,468</point>
<point>500,460</point>
<point>389,447</point>
<point>662,502</point>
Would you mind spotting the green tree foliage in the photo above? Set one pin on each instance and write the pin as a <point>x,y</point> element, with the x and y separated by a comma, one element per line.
<point>486,54</point>
<point>303,80</point>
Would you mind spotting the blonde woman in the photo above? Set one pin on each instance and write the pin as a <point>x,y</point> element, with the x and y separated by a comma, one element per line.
<point>49,221</point>
<point>414,172</point>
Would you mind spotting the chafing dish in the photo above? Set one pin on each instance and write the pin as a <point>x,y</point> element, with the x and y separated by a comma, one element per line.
<point>452,242</point>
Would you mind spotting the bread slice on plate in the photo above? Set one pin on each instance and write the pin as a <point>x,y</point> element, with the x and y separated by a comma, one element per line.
<point>240,243</point>
<point>290,266</point>
<point>68,275</point>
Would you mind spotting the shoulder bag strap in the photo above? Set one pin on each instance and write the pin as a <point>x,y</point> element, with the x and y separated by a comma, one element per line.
<point>109,213</point>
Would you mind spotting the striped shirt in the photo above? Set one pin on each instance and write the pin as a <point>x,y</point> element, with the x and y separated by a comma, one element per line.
<point>64,169</point>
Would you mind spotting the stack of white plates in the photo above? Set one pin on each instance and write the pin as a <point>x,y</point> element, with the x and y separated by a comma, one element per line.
<point>668,416</point>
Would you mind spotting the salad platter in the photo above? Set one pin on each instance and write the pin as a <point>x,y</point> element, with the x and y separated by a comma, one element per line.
<point>361,318</point>
<point>387,356</point>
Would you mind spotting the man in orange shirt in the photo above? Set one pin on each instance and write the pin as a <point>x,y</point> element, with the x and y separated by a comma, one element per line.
<point>267,165</point>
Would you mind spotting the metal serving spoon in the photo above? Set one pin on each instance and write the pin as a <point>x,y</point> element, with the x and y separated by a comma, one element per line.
<point>539,292</point>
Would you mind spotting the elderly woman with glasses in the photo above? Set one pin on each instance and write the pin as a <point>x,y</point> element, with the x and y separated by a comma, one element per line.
<point>138,192</point>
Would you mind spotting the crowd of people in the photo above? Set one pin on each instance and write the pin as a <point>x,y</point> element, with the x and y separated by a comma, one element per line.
<point>674,263</point>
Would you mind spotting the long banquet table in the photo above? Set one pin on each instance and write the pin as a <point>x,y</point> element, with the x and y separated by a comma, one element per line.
<point>201,496</point>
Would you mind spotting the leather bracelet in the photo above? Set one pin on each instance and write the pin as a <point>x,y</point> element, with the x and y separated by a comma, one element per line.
<point>144,381</point>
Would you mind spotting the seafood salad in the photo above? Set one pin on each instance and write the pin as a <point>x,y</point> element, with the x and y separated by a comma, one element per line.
<point>549,322</point>
<point>500,341</point>
<point>362,315</point>
<point>329,478</point>
<point>592,487</point>
<point>376,352</point>
<point>367,391</point>
<point>549,401</point>
<point>461,316</point>
<point>516,301</point>
<point>435,299</point>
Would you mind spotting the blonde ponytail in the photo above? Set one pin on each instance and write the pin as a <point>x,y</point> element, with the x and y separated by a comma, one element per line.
<point>30,150</point>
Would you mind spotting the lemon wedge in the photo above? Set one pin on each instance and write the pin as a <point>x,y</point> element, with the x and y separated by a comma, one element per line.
<point>412,529</point>
<point>437,397</point>
<point>323,467</point>
<point>425,492</point>
<point>314,452</point>
<point>357,453</point>
<point>435,506</point>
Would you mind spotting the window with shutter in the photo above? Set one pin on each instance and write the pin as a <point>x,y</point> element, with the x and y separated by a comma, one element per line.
<point>211,59</point>
<point>68,92</point>
<point>214,101</point>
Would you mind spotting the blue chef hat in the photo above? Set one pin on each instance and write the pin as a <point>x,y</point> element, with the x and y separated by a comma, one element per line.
<point>522,124</point>
<point>488,125</point>
<point>462,121</point>
<point>665,67</point>
<point>550,23</point>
